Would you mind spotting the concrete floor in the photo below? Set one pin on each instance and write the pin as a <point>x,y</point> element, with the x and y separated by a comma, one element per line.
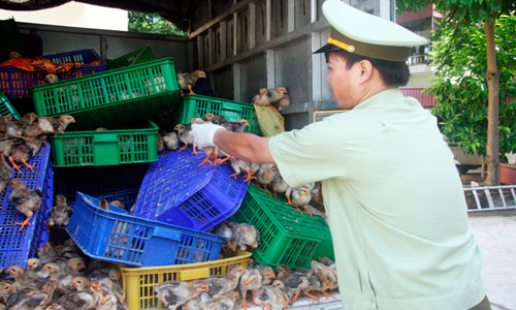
<point>495,233</point>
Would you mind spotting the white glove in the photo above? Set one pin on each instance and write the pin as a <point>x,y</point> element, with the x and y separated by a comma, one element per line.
<point>203,134</point>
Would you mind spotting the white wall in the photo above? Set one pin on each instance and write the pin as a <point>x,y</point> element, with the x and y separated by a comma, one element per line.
<point>73,14</point>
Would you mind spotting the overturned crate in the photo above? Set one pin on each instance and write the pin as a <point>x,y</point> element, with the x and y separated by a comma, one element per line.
<point>113,98</point>
<point>121,238</point>
<point>106,147</point>
<point>17,246</point>
<point>176,190</point>
<point>288,237</point>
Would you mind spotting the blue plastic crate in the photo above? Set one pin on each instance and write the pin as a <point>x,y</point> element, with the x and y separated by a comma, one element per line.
<point>176,190</point>
<point>121,238</point>
<point>15,83</point>
<point>17,246</point>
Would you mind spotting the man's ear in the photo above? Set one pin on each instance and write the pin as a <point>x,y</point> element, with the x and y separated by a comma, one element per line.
<point>366,70</point>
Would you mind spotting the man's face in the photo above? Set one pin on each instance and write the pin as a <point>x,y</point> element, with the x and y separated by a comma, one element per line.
<point>343,81</point>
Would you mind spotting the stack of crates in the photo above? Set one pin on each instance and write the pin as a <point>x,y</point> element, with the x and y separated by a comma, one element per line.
<point>15,83</point>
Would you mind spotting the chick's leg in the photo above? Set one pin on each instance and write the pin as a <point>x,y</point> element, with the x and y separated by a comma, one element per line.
<point>27,166</point>
<point>290,203</point>
<point>328,295</point>
<point>307,210</point>
<point>194,151</point>
<point>15,166</point>
<point>24,223</point>
<point>222,161</point>
<point>249,176</point>
<point>244,302</point>
<point>312,297</point>
<point>206,160</point>
<point>190,89</point>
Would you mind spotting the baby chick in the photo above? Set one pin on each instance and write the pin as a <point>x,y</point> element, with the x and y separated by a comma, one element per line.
<point>20,276</point>
<point>86,297</point>
<point>246,235</point>
<point>24,200</point>
<point>183,132</point>
<point>272,296</point>
<point>47,253</point>
<point>50,125</point>
<point>300,197</point>
<point>187,80</point>
<point>51,78</point>
<point>295,283</point>
<point>6,173</point>
<point>268,274</point>
<point>265,175</point>
<point>226,230</point>
<point>171,140</point>
<point>224,301</point>
<point>221,285</point>
<point>59,215</point>
<point>16,128</point>
<point>262,98</point>
<point>251,280</point>
<point>174,294</point>
<point>22,152</point>
<point>240,165</point>
<point>33,267</point>
<point>278,184</point>
<point>279,97</point>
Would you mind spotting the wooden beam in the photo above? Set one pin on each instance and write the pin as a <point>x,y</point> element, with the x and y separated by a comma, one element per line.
<point>211,23</point>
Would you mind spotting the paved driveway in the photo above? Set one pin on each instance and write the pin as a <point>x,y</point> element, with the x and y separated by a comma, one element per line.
<point>496,236</point>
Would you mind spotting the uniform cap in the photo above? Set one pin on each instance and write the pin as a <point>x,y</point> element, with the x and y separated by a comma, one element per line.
<point>367,35</point>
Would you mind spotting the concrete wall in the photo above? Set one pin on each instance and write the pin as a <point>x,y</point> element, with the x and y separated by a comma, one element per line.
<point>73,14</point>
<point>269,43</point>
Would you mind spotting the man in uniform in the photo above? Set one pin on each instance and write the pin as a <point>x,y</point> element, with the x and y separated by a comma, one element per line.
<point>393,198</point>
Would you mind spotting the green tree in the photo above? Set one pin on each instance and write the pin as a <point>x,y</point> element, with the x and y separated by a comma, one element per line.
<point>152,23</point>
<point>461,89</point>
<point>460,14</point>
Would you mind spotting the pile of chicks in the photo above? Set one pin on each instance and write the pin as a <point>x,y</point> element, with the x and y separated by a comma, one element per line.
<point>266,176</point>
<point>269,288</point>
<point>20,140</point>
<point>61,279</point>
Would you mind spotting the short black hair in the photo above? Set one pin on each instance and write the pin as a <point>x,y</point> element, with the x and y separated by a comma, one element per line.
<point>393,73</point>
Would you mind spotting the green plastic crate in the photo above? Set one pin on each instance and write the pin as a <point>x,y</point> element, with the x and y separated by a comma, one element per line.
<point>143,54</point>
<point>105,147</point>
<point>111,98</point>
<point>287,236</point>
<point>197,106</point>
<point>7,108</point>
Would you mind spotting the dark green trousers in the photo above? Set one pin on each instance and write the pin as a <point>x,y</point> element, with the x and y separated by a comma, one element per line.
<point>483,305</point>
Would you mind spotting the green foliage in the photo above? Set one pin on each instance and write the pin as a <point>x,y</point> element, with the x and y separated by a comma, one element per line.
<point>461,11</point>
<point>152,23</point>
<point>461,88</point>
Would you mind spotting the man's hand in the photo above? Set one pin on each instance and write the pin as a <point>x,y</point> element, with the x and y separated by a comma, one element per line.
<point>203,134</point>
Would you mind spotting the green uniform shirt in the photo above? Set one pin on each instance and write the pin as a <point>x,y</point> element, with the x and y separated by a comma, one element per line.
<point>394,202</point>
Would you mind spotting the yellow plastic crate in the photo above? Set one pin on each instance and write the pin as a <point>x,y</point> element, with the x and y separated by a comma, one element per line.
<point>139,283</point>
